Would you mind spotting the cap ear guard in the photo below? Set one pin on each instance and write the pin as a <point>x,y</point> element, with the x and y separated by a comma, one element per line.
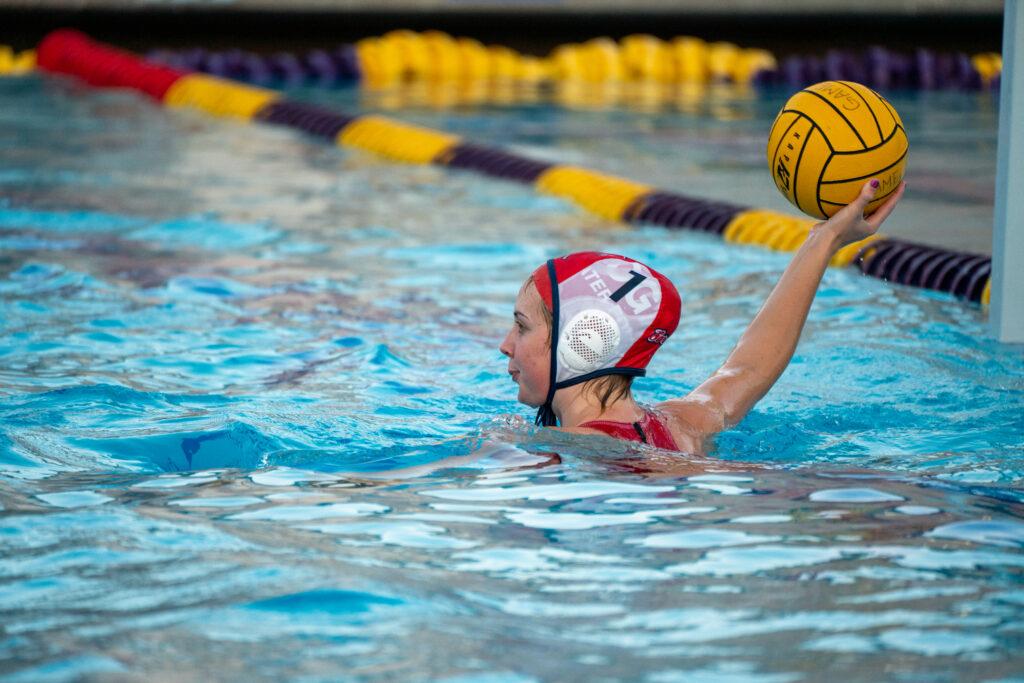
<point>588,341</point>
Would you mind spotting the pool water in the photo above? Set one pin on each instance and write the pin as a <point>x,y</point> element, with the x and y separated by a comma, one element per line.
<point>232,358</point>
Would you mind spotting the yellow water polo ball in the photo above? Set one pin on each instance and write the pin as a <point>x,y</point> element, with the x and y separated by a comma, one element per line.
<point>828,140</point>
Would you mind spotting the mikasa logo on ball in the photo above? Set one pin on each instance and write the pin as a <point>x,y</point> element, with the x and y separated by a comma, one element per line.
<point>842,96</point>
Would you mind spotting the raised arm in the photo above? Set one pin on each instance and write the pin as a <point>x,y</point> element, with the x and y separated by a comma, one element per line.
<point>766,347</point>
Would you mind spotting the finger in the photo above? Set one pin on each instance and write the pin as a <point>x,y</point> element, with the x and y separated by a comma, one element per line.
<point>882,212</point>
<point>867,193</point>
<point>855,210</point>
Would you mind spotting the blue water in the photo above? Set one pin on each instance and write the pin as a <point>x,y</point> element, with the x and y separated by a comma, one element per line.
<point>232,358</point>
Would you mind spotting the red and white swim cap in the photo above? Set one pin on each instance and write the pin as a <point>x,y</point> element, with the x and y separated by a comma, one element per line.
<point>610,314</point>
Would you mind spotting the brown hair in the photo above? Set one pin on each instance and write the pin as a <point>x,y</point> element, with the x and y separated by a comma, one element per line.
<point>608,388</point>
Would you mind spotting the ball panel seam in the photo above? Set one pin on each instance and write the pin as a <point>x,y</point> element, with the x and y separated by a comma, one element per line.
<point>876,200</point>
<point>869,175</point>
<point>884,142</point>
<point>817,188</point>
<point>841,114</point>
<point>871,110</point>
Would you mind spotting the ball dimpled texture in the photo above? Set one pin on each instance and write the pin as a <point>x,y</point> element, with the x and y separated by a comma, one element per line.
<point>828,140</point>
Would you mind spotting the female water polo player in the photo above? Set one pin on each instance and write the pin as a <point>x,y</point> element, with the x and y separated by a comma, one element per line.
<point>586,324</point>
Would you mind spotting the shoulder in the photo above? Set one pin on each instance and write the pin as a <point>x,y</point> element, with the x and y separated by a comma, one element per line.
<point>691,422</point>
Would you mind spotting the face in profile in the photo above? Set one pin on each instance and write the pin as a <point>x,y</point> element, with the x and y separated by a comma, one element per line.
<point>528,347</point>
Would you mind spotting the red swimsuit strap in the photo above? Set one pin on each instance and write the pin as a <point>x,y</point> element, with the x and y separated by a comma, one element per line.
<point>649,429</point>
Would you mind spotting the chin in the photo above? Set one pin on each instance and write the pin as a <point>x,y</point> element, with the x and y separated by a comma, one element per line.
<point>528,400</point>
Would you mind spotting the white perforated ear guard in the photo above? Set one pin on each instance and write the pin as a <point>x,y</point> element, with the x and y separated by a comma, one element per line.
<point>588,341</point>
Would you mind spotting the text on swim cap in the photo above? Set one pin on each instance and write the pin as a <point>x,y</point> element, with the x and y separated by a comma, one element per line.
<point>598,286</point>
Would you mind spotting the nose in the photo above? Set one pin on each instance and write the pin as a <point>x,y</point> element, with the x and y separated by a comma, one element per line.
<point>506,347</point>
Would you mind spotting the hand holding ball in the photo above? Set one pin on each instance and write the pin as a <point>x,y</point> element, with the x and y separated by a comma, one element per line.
<point>828,140</point>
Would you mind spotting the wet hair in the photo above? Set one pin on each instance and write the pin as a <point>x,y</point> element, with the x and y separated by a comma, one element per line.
<point>607,388</point>
<point>610,388</point>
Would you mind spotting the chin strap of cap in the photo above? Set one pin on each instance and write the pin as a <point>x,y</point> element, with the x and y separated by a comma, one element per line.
<point>546,414</point>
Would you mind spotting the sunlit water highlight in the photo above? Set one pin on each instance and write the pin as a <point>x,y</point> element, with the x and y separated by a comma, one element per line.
<point>220,341</point>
